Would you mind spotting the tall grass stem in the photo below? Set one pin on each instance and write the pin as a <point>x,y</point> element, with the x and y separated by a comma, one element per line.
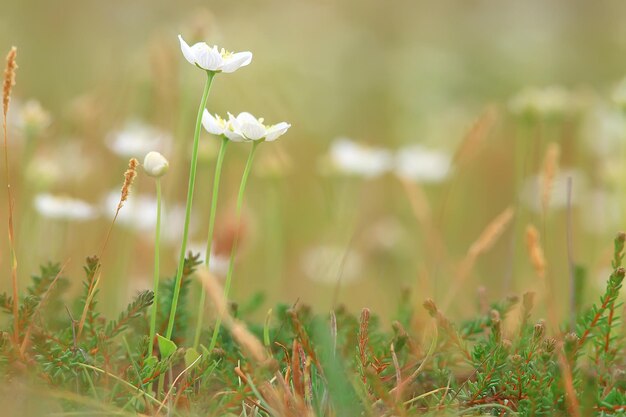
<point>233,251</point>
<point>192,183</point>
<point>212,215</point>
<point>157,244</point>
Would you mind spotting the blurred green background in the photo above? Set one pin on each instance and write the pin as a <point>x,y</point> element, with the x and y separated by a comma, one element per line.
<point>385,73</point>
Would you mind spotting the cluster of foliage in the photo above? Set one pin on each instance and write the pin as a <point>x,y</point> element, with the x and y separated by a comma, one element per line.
<point>311,365</point>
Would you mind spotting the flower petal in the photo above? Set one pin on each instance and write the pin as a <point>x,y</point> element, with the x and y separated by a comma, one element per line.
<point>234,135</point>
<point>212,124</point>
<point>207,58</point>
<point>253,131</point>
<point>245,117</point>
<point>188,53</point>
<point>275,131</point>
<point>235,61</point>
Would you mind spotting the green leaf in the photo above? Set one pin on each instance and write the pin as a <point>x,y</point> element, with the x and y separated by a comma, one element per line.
<point>166,347</point>
<point>191,355</point>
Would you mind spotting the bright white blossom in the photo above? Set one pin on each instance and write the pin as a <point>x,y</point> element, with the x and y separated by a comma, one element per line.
<point>155,164</point>
<point>64,208</point>
<point>243,128</point>
<point>352,158</point>
<point>421,164</point>
<point>137,139</point>
<point>211,58</point>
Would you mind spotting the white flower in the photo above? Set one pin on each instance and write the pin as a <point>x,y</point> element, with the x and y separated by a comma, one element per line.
<point>215,125</point>
<point>212,59</point>
<point>329,264</point>
<point>547,102</point>
<point>63,207</point>
<point>601,213</point>
<point>33,118</point>
<point>420,164</point>
<point>218,264</point>
<point>155,164</point>
<point>139,213</point>
<point>243,128</point>
<point>352,158</point>
<point>532,190</point>
<point>137,139</point>
<point>604,130</point>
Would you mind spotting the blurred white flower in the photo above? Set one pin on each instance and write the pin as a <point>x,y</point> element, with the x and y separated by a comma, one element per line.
<point>349,157</point>
<point>531,191</point>
<point>218,263</point>
<point>155,164</point>
<point>601,213</point>
<point>211,59</point>
<point>63,207</point>
<point>139,213</point>
<point>328,264</point>
<point>137,139</point>
<point>604,130</point>
<point>546,102</point>
<point>384,234</point>
<point>33,118</point>
<point>421,164</point>
<point>50,167</point>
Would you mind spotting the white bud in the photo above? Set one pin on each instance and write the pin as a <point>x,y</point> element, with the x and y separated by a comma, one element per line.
<point>155,164</point>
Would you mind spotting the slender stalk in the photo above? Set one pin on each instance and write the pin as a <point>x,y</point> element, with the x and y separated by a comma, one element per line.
<point>233,251</point>
<point>9,81</point>
<point>212,214</point>
<point>192,183</point>
<point>157,242</point>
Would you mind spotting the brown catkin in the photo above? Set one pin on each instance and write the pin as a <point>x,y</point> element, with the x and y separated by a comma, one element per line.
<point>129,177</point>
<point>535,251</point>
<point>492,232</point>
<point>9,79</point>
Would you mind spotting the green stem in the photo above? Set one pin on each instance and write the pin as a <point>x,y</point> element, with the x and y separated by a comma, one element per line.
<point>192,183</point>
<point>233,251</point>
<point>157,241</point>
<point>212,214</point>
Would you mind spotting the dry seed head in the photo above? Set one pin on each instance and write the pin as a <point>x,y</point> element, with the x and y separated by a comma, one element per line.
<point>540,329</point>
<point>248,341</point>
<point>550,168</point>
<point>431,307</point>
<point>475,136</point>
<point>535,251</point>
<point>491,233</point>
<point>9,79</point>
<point>549,344</point>
<point>129,177</point>
<point>516,360</point>
<point>507,344</point>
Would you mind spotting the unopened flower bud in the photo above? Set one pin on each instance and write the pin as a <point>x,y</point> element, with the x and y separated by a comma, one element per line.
<point>155,164</point>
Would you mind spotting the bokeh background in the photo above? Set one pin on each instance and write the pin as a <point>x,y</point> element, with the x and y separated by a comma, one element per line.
<point>387,74</point>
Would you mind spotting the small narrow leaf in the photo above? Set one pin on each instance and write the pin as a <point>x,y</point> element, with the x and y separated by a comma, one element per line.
<point>166,346</point>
